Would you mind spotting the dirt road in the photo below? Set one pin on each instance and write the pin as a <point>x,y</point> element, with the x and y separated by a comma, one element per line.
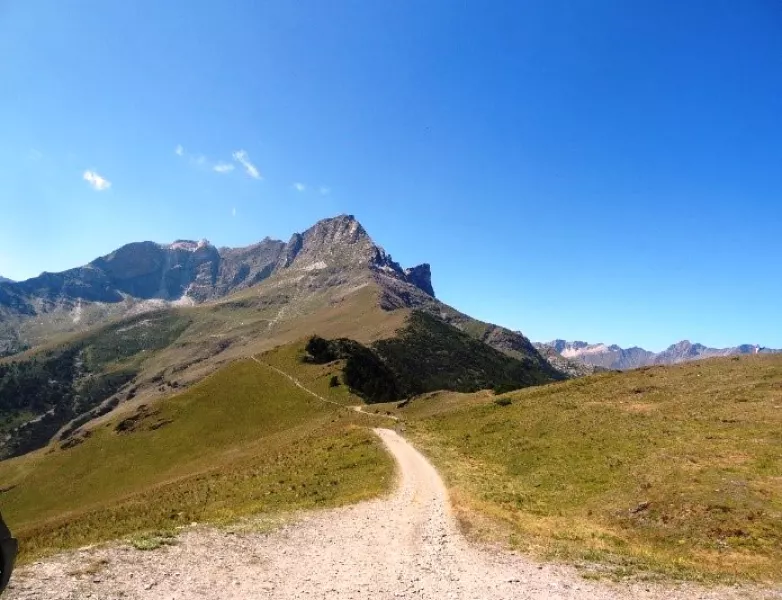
<point>403,546</point>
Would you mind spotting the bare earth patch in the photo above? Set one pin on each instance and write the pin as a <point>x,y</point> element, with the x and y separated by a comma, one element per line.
<point>405,546</point>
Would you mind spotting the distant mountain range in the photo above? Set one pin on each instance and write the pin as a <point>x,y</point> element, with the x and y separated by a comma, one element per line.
<point>615,357</point>
<point>5,279</point>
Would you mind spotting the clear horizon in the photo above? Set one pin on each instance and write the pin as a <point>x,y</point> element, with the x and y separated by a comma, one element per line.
<point>585,171</point>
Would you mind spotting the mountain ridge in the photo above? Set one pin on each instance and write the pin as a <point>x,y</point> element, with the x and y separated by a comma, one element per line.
<point>142,275</point>
<point>615,357</point>
<point>143,269</point>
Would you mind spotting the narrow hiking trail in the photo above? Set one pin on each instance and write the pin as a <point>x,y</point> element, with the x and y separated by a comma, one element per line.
<point>299,384</point>
<point>402,546</point>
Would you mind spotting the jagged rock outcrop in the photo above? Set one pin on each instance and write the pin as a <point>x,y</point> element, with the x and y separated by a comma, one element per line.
<point>421,277</point>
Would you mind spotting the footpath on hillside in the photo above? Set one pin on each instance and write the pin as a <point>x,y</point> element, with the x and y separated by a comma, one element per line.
<point>403,546</point>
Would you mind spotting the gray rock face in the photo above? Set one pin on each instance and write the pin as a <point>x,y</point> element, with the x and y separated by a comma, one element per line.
<point>421,277</point>
<point>148,270</point>
<point>614,357</point>
<point>244,267</point>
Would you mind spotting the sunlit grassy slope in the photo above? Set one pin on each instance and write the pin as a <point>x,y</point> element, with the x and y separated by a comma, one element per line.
<point>245,440</point>
<point>315,377</point>
<point>668,470</point>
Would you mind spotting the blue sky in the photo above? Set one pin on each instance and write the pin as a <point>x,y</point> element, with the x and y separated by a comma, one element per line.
<point>598,169</point>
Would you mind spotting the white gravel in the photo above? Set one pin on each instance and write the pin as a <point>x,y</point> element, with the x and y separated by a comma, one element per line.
<point>404,546</point>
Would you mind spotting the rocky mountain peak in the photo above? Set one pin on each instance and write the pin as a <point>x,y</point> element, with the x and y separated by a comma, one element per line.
<point>338,241</point>
<point>342,242</point>
<point>681,346</point>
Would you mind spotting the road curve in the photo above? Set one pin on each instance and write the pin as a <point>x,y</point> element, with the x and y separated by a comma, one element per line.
<point>402,546</point>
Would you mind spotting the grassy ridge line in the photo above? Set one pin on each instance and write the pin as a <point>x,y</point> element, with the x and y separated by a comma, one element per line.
<point>245,440</point>
<point>664,471</point>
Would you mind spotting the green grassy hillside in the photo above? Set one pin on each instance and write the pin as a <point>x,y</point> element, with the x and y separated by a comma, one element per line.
<point>668,470</point>
<point>245,440</point>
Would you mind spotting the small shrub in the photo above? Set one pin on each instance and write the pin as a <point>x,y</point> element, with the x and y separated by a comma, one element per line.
<point>504,401</point>
<point>334,381</point>
<point>502,388</point>
<point>153,540</point>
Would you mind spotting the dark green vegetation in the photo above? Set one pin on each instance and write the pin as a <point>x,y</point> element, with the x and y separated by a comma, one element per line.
<point>244,441</point>
<point>41,393</point>
<point>425,356</point>
<point>363,371</point>
<point>430,355</point>
<point>674,471</point>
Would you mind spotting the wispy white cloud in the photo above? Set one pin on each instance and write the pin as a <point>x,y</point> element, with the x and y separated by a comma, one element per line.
<point>324,190</point>
<point>97,182</point>
<point>221,166</point>
<point>35,154</point>
<point>233,211</point>
<point>243,159</point>
<point>299,187</point>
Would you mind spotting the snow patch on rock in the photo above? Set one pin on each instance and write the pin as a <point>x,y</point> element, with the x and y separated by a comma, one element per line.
<point>316,266</point>
<point>76,313</point>
<point>575,352</point>
<point>188,245</point>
